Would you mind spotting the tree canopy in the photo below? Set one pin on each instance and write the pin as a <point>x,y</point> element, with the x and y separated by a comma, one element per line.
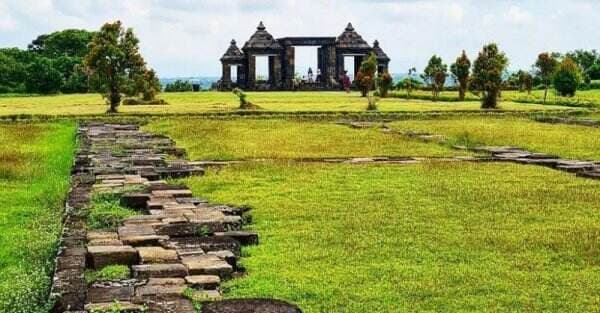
<point>487,74</point>
<point>461,70</point>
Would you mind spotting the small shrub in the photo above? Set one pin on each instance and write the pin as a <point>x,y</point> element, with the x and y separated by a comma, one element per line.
<point>385,83</point>
<point>106,212</point>
<point>244,103</point>
<point>567,78</point>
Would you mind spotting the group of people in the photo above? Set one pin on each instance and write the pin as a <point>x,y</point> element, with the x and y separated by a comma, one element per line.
<point>344,79</point>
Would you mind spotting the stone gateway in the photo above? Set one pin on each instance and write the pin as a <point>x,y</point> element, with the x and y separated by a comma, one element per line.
<point>331,56</point>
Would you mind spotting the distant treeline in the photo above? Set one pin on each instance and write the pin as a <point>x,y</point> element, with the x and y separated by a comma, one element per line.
<point>52,63</point>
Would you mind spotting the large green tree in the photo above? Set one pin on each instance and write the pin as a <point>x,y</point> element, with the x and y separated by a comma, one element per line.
<point>435,75</point>
<point>43,77</point>
<point>487,74</point>
<point>545,67</point>
<point>461,70</point>
<point>115,62</point>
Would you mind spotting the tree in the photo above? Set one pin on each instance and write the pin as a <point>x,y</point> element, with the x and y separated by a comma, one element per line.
<point>487,74</point>
<point>12,74</point>
<point>594,71</point>
<point>179,86</point>
<point>567,77</point>
<point>545,67</point>
<point>42,77</point>
<point>461,70</point>
<point>525,81</point>
<point>69,42</point>
<point>115,62</point>
<point>384,83</point>
<point>435,75</point>
<point>366,74</point>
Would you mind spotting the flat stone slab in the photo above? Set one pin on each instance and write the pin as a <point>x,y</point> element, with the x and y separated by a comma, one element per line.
<point>203,281</point>
<point>146,271</point>
<point>150,255</point>
<point>101,294</point>
<point>121,307</point>
<point>101,256</point>
<point>250,306</point>
<point>207,265</point>
<point>244,237</point>
<point>162,287</point>
<point>205,244</point>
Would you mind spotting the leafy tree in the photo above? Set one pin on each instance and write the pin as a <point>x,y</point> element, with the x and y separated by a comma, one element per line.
<point>546,66</point>
<point>366,74</point>
<point>12,74</point>
<point>69,42</point>
<point>148,85</point>
<point>435,75</point>
<point>115,62</point>
<point>525,81</point>
<point>593,73</point>
<point>584,58</point>
<point>385,82</point>
<point>487,74</point>
<point>461,70</point>
<point>567,78</point>
<point>42,77</point>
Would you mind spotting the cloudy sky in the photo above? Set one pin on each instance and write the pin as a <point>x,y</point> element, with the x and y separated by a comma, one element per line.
<point>187,37</point>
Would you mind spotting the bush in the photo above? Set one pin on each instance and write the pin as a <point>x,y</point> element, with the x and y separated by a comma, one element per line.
<point>567,78</point>
<point>179,86</point>
<point>385,83</point>
<point>107,212</point>
<point>109,273</point>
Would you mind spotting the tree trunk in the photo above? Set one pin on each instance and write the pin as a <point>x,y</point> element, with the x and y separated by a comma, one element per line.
<point>461,93</point>
<point>115,99</point>
<point>490,100</point>
<point>545,93</point>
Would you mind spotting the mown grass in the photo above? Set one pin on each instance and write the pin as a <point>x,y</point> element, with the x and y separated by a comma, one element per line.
<point>35,162</point>
<point>434,237</point>
<point>284,139</point>
<point>583,98</point>
<point>568,141</point>
<point>226,102</point>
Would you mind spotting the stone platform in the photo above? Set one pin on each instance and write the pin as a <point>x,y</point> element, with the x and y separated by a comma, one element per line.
<point>179,247</point>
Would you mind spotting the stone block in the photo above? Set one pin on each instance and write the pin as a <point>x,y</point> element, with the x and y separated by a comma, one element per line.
<point>203,281</point>
<point>101,256</point>
<point>243,237</point>
<point>121,307</point>
<point>175,193</point>
<point>150,255</point>
<point>106,294</point>
<point>208,265</point>
<point>162,287</point>
<point>146,271</point>
<point>135,200</point>
<point>226,255</point>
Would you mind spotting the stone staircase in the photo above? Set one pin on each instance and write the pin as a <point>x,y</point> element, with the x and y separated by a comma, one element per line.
<point>178,247</point>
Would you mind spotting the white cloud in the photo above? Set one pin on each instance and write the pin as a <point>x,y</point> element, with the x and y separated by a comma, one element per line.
<point>187,37</point>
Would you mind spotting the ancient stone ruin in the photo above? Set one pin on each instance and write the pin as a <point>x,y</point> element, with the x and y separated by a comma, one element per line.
<point>280,52</point>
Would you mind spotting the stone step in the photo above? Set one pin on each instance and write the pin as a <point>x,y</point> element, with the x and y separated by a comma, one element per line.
<point>101,256</point>
<point>164,287</point>
<point>245,238</point>
<point>146,271</point>
<point>205,244</point>
<point>203,282</point>
<point>208,265</point>
<point>121,307</point>
<point>150,255</point>
<point>109,294</point>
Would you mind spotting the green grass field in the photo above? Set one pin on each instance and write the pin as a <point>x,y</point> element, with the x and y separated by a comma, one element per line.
<point>226,102</point>
<point>568,141</point>
<point>35,162</point>
<point>281,139</point>
<point>433,237</point>
<point>430,237</point>
<point>583,98</point>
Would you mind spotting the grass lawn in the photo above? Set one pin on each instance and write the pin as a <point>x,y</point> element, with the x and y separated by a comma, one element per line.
<point>282,139</point>
<point>225,101</point>
<point>35,162</point>
<point>582,97</point>
<point>433,237</point>
<point>569,141</point>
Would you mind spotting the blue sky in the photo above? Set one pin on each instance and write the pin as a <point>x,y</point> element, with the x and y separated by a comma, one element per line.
<point>187,38</point>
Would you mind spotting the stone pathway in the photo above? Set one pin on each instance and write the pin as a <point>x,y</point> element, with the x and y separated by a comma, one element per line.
<point>179,246</point>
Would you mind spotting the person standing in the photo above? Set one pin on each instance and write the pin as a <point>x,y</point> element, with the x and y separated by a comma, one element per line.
<point>346,81</point>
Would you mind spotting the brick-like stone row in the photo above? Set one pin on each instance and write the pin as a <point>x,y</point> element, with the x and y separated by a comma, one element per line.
<point>567,120</point>
<point>178,247</point>
<point>586,169</point>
